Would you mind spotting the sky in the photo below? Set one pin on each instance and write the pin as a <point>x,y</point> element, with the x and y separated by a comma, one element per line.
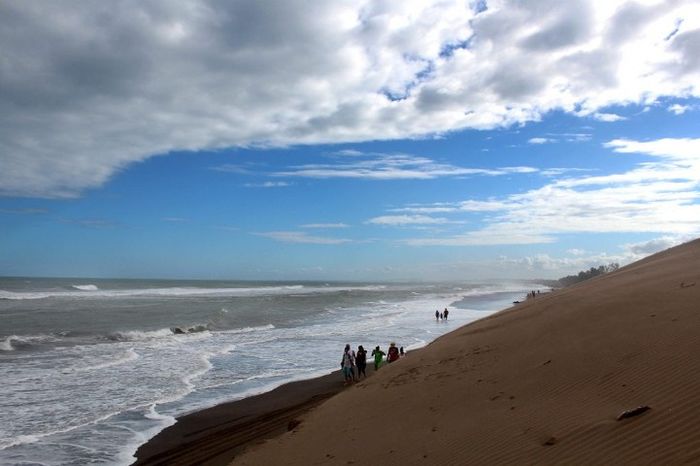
<point>346,140</point>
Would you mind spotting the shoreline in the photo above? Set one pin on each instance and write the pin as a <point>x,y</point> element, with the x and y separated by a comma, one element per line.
<point>214,436</point>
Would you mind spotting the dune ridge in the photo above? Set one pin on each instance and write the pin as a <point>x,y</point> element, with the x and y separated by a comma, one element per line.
<point>543,382</point>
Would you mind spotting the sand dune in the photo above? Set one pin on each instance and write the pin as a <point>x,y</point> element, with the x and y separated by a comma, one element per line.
<point>541,383</point>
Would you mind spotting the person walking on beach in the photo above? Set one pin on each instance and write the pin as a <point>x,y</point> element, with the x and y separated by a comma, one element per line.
<point>378,356</point>
<point>347,363</point>
<point>401,353</point>
<point>437,315</point>
<point>393,353</point>
<point>445,313</point>
<point>361,361</point>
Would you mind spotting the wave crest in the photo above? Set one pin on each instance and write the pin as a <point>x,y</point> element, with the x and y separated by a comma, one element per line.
<point>15,342</point>
<point>88,287</point>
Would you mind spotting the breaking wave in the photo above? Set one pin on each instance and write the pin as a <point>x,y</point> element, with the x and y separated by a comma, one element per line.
<point>95,292</point>
<point>86,287</point>
<point>15,342</point>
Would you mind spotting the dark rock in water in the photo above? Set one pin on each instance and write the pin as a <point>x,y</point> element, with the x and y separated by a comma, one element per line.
<point>633,412</point>
<point>183,330</point>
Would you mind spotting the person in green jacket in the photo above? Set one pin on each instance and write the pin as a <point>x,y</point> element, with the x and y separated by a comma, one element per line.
<point>378,355</point>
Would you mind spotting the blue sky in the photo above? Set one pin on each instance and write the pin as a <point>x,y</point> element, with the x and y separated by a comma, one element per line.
<point>362,141</point>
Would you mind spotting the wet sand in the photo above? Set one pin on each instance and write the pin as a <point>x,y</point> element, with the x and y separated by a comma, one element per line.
<point>216,435</point>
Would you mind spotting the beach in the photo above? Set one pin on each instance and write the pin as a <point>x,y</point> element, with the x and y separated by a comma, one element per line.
<point>603,372</point>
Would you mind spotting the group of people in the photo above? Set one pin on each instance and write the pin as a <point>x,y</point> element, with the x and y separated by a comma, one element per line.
<point>441,315</point>
<point>354,364</point>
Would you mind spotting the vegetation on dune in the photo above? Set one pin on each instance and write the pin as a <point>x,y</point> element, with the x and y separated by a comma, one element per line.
<point>588,274</point>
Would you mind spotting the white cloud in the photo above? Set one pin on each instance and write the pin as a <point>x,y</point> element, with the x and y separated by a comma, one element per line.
<point>561,171</point>
<point>300,237</point>
<point>268,184</point>
<point>583,260</point>
<point>376,166</point>
<point>645,248</point>
<point>89,88</point>
<point>482,206</point>
<point>563,265</point>
<point>557,137</point>
<point>655,197</point>
<point>678,109</point>
<point>541,140</point>
<point>607,117</point>
<point>576,137</point>
<point>486,237</point>
<point>680,149</point>
<point>402,220</point>
<point>440,207</point>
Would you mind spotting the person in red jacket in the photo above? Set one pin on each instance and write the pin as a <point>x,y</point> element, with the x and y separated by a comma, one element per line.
<point>393,353</point>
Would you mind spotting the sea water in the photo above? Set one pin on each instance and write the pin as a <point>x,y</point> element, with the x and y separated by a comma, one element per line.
<point>91,369</point>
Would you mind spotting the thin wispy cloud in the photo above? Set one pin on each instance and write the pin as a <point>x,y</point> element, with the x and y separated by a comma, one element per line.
<point>393,167</point>
<point>552,172</point>
<point>541,140</point>
<point>96,223</point>
<point>403,220</point>
<point>301,237</point>
<point>25,211</point>
<point>607,117</point>
<point>654,197</point>
<point>552,138</point>
<point>268,184</point>
<point>575,137</point>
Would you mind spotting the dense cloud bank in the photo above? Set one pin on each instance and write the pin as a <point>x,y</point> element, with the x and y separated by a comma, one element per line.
<point>89,87</point>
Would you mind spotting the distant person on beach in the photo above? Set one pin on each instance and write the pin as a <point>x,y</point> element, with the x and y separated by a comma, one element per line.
<point>401,353</point>
<point>437,315</point>
<point>347,363</point>
<point>393,353</point>
<point>445,313</point>
<point>378,356</point>
<point>361,361</point>
<point>442,316</point>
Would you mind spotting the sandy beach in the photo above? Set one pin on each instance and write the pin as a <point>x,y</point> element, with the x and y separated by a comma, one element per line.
<point>554,380</point>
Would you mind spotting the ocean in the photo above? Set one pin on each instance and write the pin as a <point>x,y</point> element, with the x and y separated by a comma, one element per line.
<point>91,369</point>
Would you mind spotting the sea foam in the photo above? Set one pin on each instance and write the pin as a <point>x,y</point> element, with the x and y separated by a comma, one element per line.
<point>92,291</point>
<point>86,287</point>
